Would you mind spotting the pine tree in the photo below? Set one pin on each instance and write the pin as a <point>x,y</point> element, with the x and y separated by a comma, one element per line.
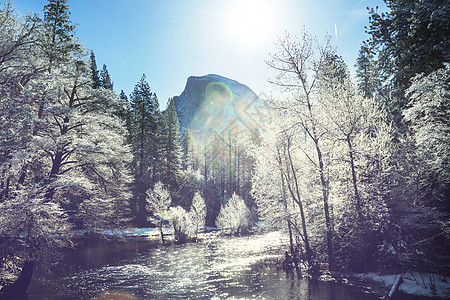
<point>96,83</point>
<point>58,32</point>
<point>172,155</point>
<point>366,72</point>
<point>105,79</point>
<point>412,38</point>
<point>145,132</point>
<point>187,149</point>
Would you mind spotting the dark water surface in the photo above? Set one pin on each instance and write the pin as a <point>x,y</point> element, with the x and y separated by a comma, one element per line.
<point>217,268</point>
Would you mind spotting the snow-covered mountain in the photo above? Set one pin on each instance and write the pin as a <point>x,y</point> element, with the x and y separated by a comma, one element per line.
<point>215,103</point>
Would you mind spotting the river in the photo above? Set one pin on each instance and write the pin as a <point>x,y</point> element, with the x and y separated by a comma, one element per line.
<point>216,268</point>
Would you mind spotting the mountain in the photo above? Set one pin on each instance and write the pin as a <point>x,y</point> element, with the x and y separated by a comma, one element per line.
<point>216,103</point>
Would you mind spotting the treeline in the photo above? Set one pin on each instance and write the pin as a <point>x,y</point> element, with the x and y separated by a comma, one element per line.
<point>359,174</point>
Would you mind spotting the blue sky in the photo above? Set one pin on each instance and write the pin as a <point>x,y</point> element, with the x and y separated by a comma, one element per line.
<point>172,40</point>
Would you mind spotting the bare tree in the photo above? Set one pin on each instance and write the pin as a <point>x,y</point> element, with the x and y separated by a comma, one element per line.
<point>299,64</point>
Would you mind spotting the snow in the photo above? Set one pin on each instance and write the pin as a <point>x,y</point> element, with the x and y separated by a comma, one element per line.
<point>149,232</point>
<point>415,283</point>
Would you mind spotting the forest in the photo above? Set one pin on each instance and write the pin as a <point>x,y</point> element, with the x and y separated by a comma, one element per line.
<point>355,170</point>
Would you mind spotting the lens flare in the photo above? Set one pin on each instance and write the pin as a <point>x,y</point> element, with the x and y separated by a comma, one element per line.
<point>215,109</point>
<point>224,108</point>
<point>163,216</point>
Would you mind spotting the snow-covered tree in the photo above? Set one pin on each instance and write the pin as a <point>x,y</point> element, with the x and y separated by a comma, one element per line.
<point>31,227</point>
<point>428,116</point>
<point>180,220</point>
<point>158,203</point>
<point>234,216</point>
<point>362,151</point>
<point>411,38</point>
<point>63,153</point>
<point>198,211</point>
<point>283,183</point>
<point>299,64</point>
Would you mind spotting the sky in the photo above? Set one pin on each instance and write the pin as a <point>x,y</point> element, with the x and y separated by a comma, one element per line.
<point>172,40</point>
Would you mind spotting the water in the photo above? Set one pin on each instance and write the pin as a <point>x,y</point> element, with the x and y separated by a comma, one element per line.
<point>218,268</point>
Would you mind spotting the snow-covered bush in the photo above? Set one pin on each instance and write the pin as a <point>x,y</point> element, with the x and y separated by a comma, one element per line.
<point>234,216</point>
<point>181,221</point>
<point>198,211</point>
<point>158,202</point>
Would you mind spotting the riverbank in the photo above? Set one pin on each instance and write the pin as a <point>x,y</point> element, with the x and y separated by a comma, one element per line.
<point>425,285</point>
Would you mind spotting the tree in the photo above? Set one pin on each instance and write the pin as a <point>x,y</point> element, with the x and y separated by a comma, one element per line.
<point>198,211</point>
<point>146,128</point>
<point>96,83</point>
<point>428,117</point>
<point>58,32</point>
<point>355,123</point>
<point>123,111</point>
<point>180,220</point>
<point>105,79</point>
<point>411,38</point>
<point>18,47</point>
<point>234,216</point>
<point>299,64</point>
<point>158,202</point>
<point>187,149</point>
<point>66,168</point>
<point>276,183</point>
<point>172,151</point>
<point>366,72</point>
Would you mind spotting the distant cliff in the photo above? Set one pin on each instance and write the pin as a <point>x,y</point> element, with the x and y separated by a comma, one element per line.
<point>215,103</point>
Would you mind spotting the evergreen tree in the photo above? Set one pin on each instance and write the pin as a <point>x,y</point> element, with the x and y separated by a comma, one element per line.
<point>105,79</point>
<point>187,149</point>
<point>412,38</point>
<point>172,155</point>
<point>145,128</point>
<point>366,72</point>
<point>58,32</point>
<point>96,83</point>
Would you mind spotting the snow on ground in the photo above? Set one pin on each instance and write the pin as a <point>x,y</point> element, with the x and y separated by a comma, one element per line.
<point>149,232</point>
<point>414,283</point>
<point>139,232</point>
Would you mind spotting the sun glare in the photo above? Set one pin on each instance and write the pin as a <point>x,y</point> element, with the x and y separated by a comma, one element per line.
<point>250,22</point>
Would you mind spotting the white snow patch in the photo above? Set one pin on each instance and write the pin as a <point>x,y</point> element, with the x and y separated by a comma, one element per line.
<point>414,283</point>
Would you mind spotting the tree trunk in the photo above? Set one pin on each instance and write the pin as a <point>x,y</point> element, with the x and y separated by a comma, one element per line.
<point>358,202</point>
<point>355,184</point>
<point>300,204</point>
<point>161,231</point>
<point>325,207</point>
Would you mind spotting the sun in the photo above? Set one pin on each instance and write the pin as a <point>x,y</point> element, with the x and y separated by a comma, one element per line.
<point>250,22</point>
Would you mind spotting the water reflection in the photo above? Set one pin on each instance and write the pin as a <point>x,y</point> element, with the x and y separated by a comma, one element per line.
<point>217,268</point>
